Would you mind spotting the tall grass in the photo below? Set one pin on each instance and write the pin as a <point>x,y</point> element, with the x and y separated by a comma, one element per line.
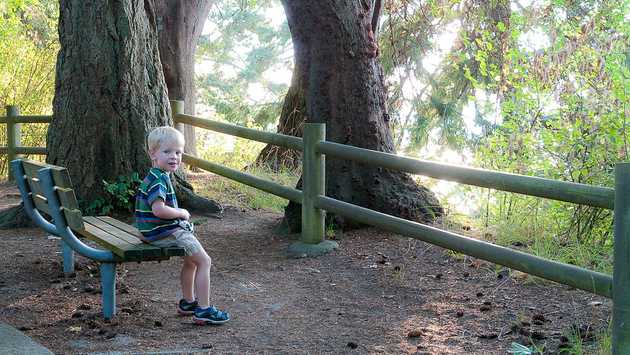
<point>229,192</point>
<point>239,154</point>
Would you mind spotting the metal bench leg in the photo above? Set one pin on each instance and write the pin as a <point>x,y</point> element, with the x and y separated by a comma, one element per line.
<point>108,287</point>
<point>68,258</point>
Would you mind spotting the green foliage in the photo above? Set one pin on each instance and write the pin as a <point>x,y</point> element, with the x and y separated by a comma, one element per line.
<point>565,119</point>
<point>28,49</point>
<point>28,33</point>
<point>236,194</point>
<point>120,196</point>
<point>538,89</point>
<point>243,51</point>
<point>240,154</point>
<point>583,341</point>
<point>230,151</point>
<point>604,342</point>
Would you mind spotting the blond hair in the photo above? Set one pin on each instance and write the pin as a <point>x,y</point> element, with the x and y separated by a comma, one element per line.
<point>164,134</point>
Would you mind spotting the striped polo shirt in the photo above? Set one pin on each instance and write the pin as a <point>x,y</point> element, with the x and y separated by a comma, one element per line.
<point>157,185</point>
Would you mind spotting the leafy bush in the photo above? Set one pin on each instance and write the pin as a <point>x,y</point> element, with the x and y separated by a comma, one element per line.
<point>120,196</point>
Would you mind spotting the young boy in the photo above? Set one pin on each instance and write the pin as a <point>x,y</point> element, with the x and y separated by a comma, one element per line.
<point>164,224</point>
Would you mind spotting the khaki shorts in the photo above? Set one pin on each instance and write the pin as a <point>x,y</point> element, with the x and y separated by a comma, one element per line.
<point>183,239</point>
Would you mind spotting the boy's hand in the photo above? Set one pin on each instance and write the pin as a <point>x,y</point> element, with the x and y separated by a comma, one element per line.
<point>184,214</point>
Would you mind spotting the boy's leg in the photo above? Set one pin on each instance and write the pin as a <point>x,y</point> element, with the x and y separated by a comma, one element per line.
<point>187,278</point>
<point>184,239</point>
<point>196,275</point>
<point>202,277</point>
<point>205,314</point>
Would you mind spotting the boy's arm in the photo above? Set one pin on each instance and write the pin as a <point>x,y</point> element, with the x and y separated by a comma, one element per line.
<point>161,210</point>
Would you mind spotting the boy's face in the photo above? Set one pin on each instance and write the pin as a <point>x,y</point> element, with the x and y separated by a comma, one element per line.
<point>168,156</point>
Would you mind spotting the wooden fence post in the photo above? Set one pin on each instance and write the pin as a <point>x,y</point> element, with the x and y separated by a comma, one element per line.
<point>314,184</point>
<point>312,241</point>
<point>621,259</point>
<point>177,107</point>
<point>13,136</point>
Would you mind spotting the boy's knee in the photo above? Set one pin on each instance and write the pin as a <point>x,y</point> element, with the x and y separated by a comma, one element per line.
<point>202,259</point>
<point>207,259</point>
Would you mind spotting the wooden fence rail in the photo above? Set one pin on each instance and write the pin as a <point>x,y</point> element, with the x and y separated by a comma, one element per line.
<point>315,203</point>
<point>14,122</point>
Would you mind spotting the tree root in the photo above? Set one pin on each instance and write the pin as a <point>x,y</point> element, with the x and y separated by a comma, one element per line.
<point>193,202</point>
<point>15,217</point>
<point>390,192</point>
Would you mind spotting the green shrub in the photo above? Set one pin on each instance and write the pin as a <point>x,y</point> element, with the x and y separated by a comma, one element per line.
<point>120,196</point>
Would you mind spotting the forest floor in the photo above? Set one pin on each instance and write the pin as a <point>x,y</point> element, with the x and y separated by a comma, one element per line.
<point>378,293</point>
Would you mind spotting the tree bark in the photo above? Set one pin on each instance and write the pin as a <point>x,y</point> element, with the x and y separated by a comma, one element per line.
<point>179,26</point>
<point>335,48</point>
<point>291,123</point>
<point>109,91</point>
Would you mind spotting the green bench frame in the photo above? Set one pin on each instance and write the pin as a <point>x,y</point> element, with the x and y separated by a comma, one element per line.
<point>47,189</point>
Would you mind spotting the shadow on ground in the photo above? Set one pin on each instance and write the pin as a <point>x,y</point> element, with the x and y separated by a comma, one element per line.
<point>378,293</point>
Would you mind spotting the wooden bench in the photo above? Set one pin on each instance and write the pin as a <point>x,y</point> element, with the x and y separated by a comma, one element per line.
<point>46,190</point>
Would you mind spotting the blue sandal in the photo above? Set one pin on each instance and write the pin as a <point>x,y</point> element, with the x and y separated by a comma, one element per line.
<point>210,315</point>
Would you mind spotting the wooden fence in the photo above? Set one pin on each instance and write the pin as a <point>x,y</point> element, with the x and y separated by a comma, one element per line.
<point>14,122</point>
<point>315,204</point>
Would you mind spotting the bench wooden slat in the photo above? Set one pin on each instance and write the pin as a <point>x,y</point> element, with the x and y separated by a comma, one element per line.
<point>121,225</point>
<point>31,167</point>
<point>167,252</point>
<point>129,246</point>
<point>66,195</point>
<point>41,203</point>
<point>37,194</point>
<point>74,218</point>
<point>60,175</point>
<point>33,184</point>
<point>118,246</point>
<point>67,198</point>
<point>114,244</point>
<point>173,251</point>
<point>123,250</point>
<point>122,234</point>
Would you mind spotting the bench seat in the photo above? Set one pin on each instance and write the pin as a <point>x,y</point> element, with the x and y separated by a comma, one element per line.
<point>123,240</point>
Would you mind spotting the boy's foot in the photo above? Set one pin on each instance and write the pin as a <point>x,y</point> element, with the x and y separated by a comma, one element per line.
<point>210,315</point>
<point>187,308</point>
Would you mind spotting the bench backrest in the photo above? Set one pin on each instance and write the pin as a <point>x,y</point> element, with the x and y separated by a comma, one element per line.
<point>63,188</point>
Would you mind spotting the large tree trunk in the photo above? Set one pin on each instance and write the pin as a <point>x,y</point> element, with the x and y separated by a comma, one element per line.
<point>335,47</point>
<point>179,26</point>
<point>109,91</point>
<point>291,123</point>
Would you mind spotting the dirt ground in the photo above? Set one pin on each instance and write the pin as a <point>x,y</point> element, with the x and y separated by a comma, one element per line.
<point>378,293</point>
